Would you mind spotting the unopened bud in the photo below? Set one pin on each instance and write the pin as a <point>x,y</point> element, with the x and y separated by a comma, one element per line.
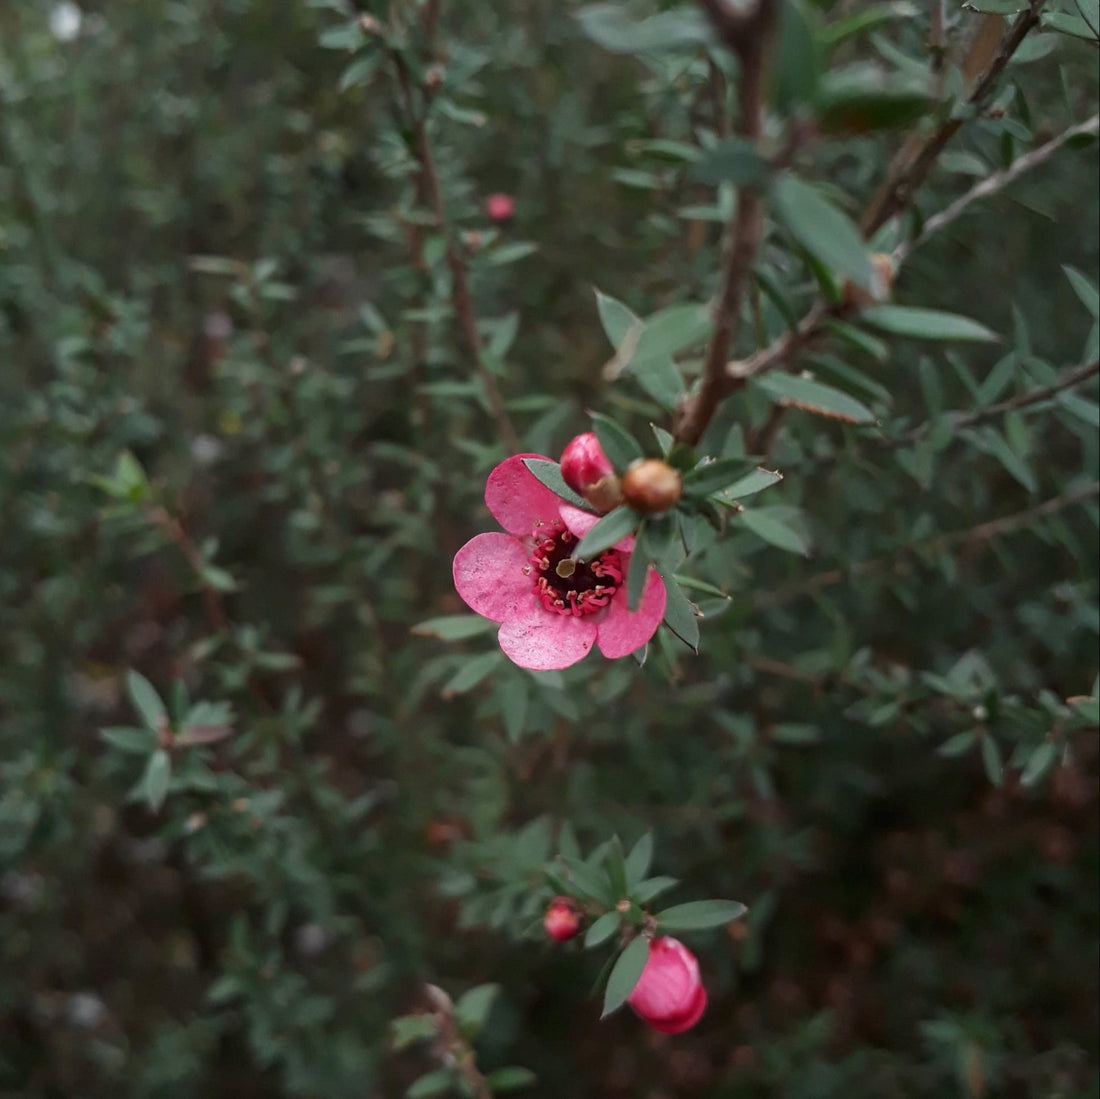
<point>586,470</point>
<point>652,487</point>
<point>500,208</point>
<point>562,920</point>
<point>369,25</point>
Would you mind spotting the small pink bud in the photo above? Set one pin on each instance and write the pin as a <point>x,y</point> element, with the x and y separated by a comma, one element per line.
<point>669,995</point>
<point>562,920</point>
<point>585,469</point>
<point>500,208</point>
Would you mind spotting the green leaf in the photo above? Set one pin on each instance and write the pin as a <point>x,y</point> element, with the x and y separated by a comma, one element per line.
<point>472,672</point>
<point>134,741</point>
<point>610,26</point>
<point>590,882</point>
<point>822,229</point>
<point>407,1029</point>
<point>754,482</point>
<point>734,160</point>
<point>153,787</point>
<point>613,527</point>
<point>713,476</point>
<point>863,98</point>
<point>472,1008</point>
<point>439,1082</point>
<point>811,396</point>
<point>618,444</point>
<point>615,866</point>
<point>863,21</point>
<point>637,862</point>
<point>764,524</point>
<point>625,974</point>
<point>1067,23</point>
<point>146,701</point>
<point>510,253</point>
<point>653,887</point>
<point>680,616</point>
<point>669,332</point>
<point>510,1078</point>
<point>1089,295</point>
<point>615,317</point>
<point>1038,763</point>
<point>860,340</point>
<point>958,745</point>
<point>925,324</point>
<point>548,473</point>
<point>455,627</point>
<point>991,760</point>
<point>602,929</point>
<point>700,915</point>
<point>797,64</point>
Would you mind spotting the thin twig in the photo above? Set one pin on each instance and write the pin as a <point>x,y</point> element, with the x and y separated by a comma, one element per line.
<point>904,180</point>
<point>977,535</point>
<point>994,183</point>
<point>749,35</point>
<point>781,351</point>
<point>461,299</point>
<point>1069,380</point>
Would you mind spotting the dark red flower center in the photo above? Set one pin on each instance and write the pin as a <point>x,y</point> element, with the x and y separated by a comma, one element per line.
<point>566,586</point>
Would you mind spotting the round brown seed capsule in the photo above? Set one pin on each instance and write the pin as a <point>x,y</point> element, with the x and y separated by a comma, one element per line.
<point>652,486</point>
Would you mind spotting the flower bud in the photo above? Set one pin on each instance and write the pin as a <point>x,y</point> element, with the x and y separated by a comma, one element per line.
<point>562,920</point>
<point>585,469</point>
<point>652,486</point>
<point>500,208</point>
<point>669,995</point>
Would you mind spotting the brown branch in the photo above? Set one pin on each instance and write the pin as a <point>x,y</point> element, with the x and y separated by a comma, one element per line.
<point>904,178</point>
<point>977,535</point>
<point>1069,380</point>
<point>749,35</point>
<point>995,183</point>
<point>780,352</point>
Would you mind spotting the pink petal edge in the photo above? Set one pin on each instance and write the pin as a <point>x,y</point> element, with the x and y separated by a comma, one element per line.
<point>678,1025</point>
<point>516,499</point>
<point>622,633</point>
<point>541,641</point>
<point>488,574</point>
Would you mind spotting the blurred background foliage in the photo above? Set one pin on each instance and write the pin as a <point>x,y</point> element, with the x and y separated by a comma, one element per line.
<point>240,443</point>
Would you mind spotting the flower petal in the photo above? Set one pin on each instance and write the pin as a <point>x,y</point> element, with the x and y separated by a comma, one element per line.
<point>543,641</point>
<point>622,633</point>
<point>581,522</point>
<point>516,499</point>
<point>488,573</point>
<point>678,1024</point>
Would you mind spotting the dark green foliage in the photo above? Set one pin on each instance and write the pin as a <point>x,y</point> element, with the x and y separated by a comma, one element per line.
<point>263,780</point>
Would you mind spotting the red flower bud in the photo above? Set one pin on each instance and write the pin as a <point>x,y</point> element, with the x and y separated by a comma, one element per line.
<point>669,994</point>
<point>562,920</point>
<point>652,487</point>
<point>585,469</point>
<point>500,208</point>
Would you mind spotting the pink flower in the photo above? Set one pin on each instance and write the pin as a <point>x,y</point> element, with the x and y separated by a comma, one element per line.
<point>562,921</point>
<point>670,994</point>
<point>500,208</point>
<point>552,609</point>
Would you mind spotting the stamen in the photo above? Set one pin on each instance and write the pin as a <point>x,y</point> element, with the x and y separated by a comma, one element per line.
<point>564,585</point>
